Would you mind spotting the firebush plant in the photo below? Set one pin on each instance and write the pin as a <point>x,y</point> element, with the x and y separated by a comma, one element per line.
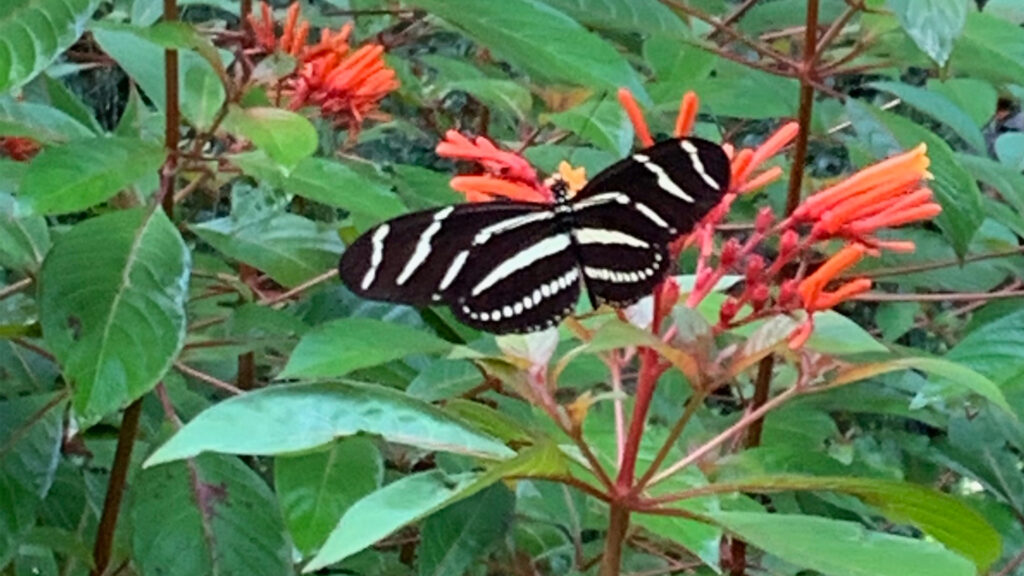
<point>831,381</point>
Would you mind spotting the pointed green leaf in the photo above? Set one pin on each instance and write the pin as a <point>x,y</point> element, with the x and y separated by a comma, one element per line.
<point>455,537</point>
<point>82,173</point>
<point>264,422</point>
<point>112,306</point>
<point>285,136</point>
<point>932,24</point>
<point>341,346</point>
<point>838,548</point>
<point>335,184</point>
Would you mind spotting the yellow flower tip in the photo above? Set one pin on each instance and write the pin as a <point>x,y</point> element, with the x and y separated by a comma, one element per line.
<point>576,178</point>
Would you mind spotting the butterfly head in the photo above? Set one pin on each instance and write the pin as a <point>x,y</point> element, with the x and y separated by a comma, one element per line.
<point>560,189</point>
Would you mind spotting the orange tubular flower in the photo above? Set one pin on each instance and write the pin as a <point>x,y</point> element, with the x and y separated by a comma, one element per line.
<point>812,288</point>
<point>346,87</point>
<point>687,117</point>
<point>508,175</point>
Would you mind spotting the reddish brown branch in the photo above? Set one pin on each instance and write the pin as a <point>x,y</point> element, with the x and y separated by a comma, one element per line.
<point>115,489</point>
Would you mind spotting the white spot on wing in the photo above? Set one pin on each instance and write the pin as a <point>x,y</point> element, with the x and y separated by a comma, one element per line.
<point>694,154</point>
<point>600,200</point>
<point>422,252</point>
<point>377,256</point>
<point>523,259</point>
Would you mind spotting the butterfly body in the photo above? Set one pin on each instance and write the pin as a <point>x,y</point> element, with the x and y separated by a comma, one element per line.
<point>520,266</point>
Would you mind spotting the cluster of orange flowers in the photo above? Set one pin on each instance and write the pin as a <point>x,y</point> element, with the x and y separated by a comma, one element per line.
<point>347,86</point>
<point>19,149</point>
<point>884,195</point>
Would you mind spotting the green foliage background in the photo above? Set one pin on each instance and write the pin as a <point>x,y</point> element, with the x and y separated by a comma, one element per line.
<point>323,432</point>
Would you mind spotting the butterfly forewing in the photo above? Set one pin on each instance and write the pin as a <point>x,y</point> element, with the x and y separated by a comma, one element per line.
<point>416,259</point>
<point>673,184</point>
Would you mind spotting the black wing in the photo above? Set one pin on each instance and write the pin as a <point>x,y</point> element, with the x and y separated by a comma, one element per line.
<point>626,217</point>
<point>677,180</point>
<point>501,266</point>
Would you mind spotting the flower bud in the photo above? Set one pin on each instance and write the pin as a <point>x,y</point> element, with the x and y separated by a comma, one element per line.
<point>730,253</point>
<point>755,269</point>
<point>765,219</point>
<point>729,310</point>
<point>787,245</point>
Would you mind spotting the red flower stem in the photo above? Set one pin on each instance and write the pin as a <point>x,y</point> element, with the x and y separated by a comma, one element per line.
<point>651,368</point>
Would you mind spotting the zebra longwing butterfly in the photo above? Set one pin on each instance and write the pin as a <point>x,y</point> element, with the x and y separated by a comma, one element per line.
<point>507,267</point>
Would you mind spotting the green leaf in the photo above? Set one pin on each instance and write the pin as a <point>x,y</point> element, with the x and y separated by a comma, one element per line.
<point>315,489</point>
<point>335,184</point>
<point>38,121</point>
<point>112,306</point>
<point>954,188</point>
<point>454,537</point>
<point>288,247</point>
<point>341,346</point>
<point>957,374</point>
<point>994,349</point>
<point>643,16</point>
<point>24,240</point>
<point>498,94</point>
<point>264,422</point>
<point>444,379</point>
<point>1007,180</point>
<point>285,136</point>
<point>216,517</point>
<point>31,432</point>
<point>941,516</point>
<point>1010,150</point>
<point>603,123</point>
<point>933,24</point>
<point>82,173</point>
<point>939,108</point>
<point>540,40</point>
<point>142,56</point>
<point>388,509</point>
<point>838,548</point>
<point>35,33</point>
<point>837,334</point>
<point>62,98</point>
<point>726,93</point>
<point>991,49</point>
<point>977,98</point>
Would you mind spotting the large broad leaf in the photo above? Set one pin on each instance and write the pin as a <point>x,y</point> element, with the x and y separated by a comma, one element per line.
<point>288,247</point>
<point>216,516</point>
<point>112,306</point>
<point>316,488</point>
<point>954,188</point>
<point>339,347</point>
<point>939,107</point>
<point>455,537</point>
<point>285,136</point>
<point>837,548</point>
<point>933,24</point>
<point>85,172</point>
<point>265,422</point>
<point>387,510</point>
<point>338,185</point>
<point>644,16</point>
<point>541,40</point>
<point>958,375</point>
<point>939,515</point>
<point>35,32</point>
<point>142,57</point>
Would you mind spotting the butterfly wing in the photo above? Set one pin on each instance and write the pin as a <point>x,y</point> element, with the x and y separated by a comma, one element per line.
<point>626,217</point>
<point>673,183</point>
<point>523,278</point>
<point>415,259</point>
